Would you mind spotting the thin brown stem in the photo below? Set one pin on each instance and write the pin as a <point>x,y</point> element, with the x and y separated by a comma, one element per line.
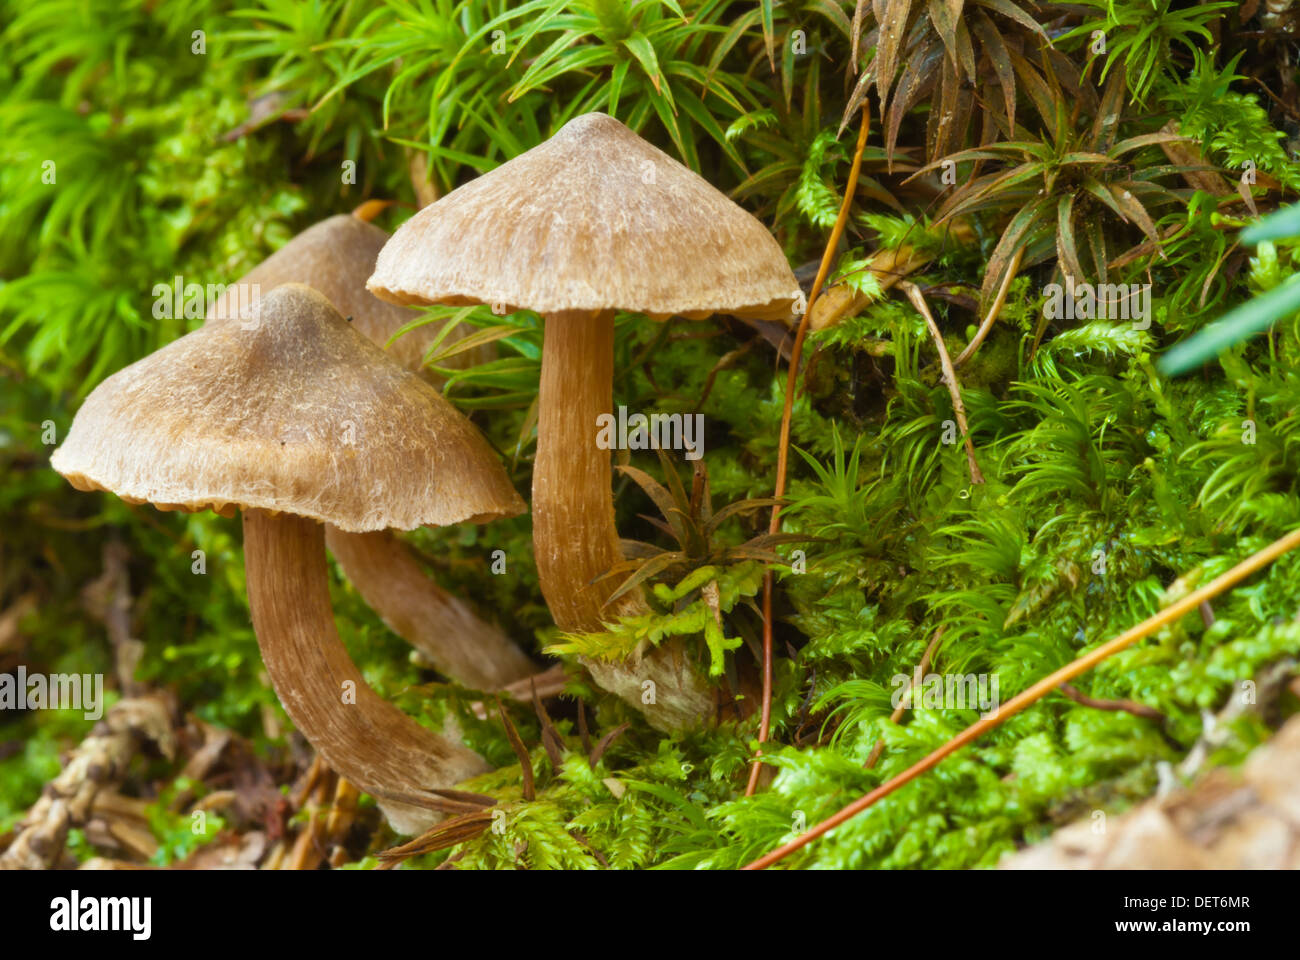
<point>995,308</point>
<point>441,626</point>
<point>783,445</point>
<point>360,735</point>
<point>1170,614</point>
<point>368,210</point>
<point>949,375</point>
<point>1123,706</point>
<point>915,684</point>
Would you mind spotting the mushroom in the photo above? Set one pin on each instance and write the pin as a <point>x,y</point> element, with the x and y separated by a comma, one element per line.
<point>592,221</point>
<point>299,420</point>
<point>335,257</point>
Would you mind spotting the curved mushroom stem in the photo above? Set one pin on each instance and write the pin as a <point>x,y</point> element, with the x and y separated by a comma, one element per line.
<point>363,737</point>
<point>574,536</point>
<point>441,626</point>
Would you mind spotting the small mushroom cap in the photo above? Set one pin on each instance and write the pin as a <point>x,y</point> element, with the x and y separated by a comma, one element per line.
<point>336,257</point>
<point>593,219</point>
<point>291,411</point>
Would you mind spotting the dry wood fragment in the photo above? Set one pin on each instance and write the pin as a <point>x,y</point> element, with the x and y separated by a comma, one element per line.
<point>1228,821</point>
<point>1247,819</point>
<point>94,768</point>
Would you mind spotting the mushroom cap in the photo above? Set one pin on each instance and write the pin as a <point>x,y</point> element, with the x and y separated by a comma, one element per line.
<point>593,219</point>
<point>336,256</point>
<point>292,411</point>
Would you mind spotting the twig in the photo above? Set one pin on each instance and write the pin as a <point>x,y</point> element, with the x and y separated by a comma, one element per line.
<point>583,734</point>
<point>1207,615</point>
<point>1170,614</point>
<point>577,835</point>
<point>805,706</point>
<point>550,736</point>
<point>727,360</point>
<point>783,445</point>
<point>367,211</point>
<point>94,768</point>
<point>949,374</point>
<point>525,761</point>
<point>994,308</point>
<point>897,715</point>
<point>1126,706</point>
<point>604,743</point>
<point>442,835</point>
<point>549,683</point>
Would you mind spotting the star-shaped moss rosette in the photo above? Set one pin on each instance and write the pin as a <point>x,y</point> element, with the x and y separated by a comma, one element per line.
<point>694,584</point>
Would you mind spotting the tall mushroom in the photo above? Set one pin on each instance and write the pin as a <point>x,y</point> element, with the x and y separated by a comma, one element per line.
<point>335,257</point>
<point>299,420</point>
<point>592,221</point>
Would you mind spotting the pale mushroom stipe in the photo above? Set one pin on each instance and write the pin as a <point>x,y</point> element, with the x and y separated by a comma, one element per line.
<point>299,420</point>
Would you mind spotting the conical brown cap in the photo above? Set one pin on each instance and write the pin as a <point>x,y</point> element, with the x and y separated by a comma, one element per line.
<point>292,411</point>
<point>593,219</point>
<point>336,257</point>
